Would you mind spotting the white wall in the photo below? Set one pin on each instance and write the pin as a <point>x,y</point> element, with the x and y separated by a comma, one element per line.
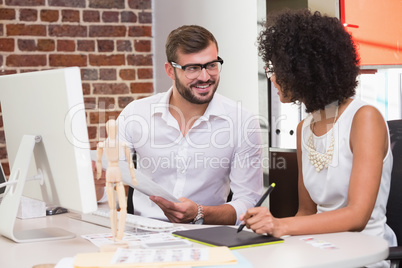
<point>328,7</point>
<point>234,25</point>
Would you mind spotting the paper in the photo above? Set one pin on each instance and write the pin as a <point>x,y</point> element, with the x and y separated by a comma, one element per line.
<point>133,239</point>
<point>144,184</point>
<point>242,262</point>
<point>147,256</point>
<point>216,256</point>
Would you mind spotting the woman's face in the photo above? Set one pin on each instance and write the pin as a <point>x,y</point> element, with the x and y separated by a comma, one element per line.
<point>282,97</point>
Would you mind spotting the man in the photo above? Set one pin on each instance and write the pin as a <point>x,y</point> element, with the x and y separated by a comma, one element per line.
<point>195,143</point>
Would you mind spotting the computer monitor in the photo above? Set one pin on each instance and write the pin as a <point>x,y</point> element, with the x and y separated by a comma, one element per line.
<point>2,181</point>
<point>47,140</point>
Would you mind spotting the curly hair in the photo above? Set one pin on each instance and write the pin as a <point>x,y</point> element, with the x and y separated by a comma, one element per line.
<point>314,59</point>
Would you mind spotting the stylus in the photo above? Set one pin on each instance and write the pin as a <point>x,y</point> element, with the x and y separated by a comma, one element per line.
<point>263,197</point>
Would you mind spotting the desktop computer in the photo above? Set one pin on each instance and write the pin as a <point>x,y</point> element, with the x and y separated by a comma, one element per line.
<point>48,148</point>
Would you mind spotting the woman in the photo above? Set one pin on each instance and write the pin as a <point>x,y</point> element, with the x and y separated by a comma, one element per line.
<point>343,147</point>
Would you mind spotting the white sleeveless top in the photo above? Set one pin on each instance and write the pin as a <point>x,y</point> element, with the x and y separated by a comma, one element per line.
<point>329,188</point>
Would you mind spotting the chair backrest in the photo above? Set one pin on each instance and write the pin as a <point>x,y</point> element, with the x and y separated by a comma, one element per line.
<point>394,206</point>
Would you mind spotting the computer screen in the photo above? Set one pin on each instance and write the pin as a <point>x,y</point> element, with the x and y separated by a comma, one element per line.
<point>46,139</point>
<point>2,180</point>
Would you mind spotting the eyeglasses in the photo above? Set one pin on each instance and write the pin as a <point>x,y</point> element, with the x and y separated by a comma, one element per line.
<point>269,70</point>
<point>192,71</point>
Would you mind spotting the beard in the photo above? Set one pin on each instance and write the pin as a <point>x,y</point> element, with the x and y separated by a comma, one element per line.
<point>200,98</point>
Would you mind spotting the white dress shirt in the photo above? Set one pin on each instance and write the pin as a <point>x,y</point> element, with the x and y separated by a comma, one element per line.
<point>221,152</point>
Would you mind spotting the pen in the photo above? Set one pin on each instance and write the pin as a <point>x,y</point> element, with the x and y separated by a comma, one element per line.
<point>263,197</point>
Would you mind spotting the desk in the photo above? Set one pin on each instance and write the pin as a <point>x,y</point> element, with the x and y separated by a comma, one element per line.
<point>354,249</point>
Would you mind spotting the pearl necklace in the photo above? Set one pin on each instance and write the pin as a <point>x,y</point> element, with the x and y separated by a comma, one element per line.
<point>317,159</point>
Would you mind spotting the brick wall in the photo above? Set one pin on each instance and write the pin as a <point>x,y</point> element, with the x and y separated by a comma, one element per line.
<point>110,40</point>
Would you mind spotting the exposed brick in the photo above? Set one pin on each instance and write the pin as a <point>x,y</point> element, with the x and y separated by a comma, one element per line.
<point>68,30</point>
<point>102,116</point>
<point>6,168</point>
<point>127,74</point>
<point>66,45</point>
<point>70,16</point>
<point>7,44</point>
<point>28,70</point>
<point>46,45</point>
<point>26,44</point>
<point>124,101</point>
<point>90,103</point>
<point>23,29</point>
<point>49,15</point>
<point>89,74</point>
<point>106,4</point>
<point>108,89</point>
<point>139,60</point>
<point>102,130</point>
<point>25,2</point>
<point>28,15</point>
<point>104,60</point>
<point>145,73</point>
<point>140,31</point>
<point>1,63</point>
<point>1,29</point>
<point>86,45</point>
<point>91,16</point>
<point>3,152</point>
<point>57,60</point>
<point>142,45</point>
<point>140,4</point>
<point>145,17</point>
<point>26,60</point>
<point>7,14</point>
<point>107,31</point>
<point>92,132</point>
<point>105,45</point>
<point>141,87</point>
<point>93,144</point>
<point>106,102</point>
<point>86,88</point>
<point>67,3</point>
<point>107,74</point>
<point>7,72</point>
<point>124,45</point>
<point>110,16</point>
<point>128,16</point>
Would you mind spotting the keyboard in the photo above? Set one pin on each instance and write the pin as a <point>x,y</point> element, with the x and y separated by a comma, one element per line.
<point>102,217</point>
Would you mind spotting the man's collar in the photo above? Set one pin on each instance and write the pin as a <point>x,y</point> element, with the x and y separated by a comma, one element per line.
<point>215,107</point>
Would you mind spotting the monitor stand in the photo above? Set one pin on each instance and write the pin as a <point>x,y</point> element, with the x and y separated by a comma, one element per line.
<point>12,195</point>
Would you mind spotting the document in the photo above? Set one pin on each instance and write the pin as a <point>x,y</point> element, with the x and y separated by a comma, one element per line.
<point>144,184</point>
<point>156,258</point>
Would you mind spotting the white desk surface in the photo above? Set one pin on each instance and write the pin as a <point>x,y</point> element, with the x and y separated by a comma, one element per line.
<point>353,249</point>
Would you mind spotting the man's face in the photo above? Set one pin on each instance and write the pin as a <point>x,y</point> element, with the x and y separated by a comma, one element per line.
<point>201,89</point>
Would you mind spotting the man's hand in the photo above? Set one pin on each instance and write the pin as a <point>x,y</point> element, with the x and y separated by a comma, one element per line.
<point>100,181</point>
<point>183,212</point>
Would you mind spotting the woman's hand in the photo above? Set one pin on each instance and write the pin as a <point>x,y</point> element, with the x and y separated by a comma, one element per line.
<point>261,221</point>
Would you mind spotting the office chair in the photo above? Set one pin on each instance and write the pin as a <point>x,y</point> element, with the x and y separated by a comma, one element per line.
<point>394,206</point>
<point>130,205</point>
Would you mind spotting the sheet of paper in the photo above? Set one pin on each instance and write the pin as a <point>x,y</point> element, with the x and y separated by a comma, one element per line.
<point>216,256</point>
<point>144,184</point>
<point>134,239</point>
<point>140,256</point>
<point>242,262</point>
